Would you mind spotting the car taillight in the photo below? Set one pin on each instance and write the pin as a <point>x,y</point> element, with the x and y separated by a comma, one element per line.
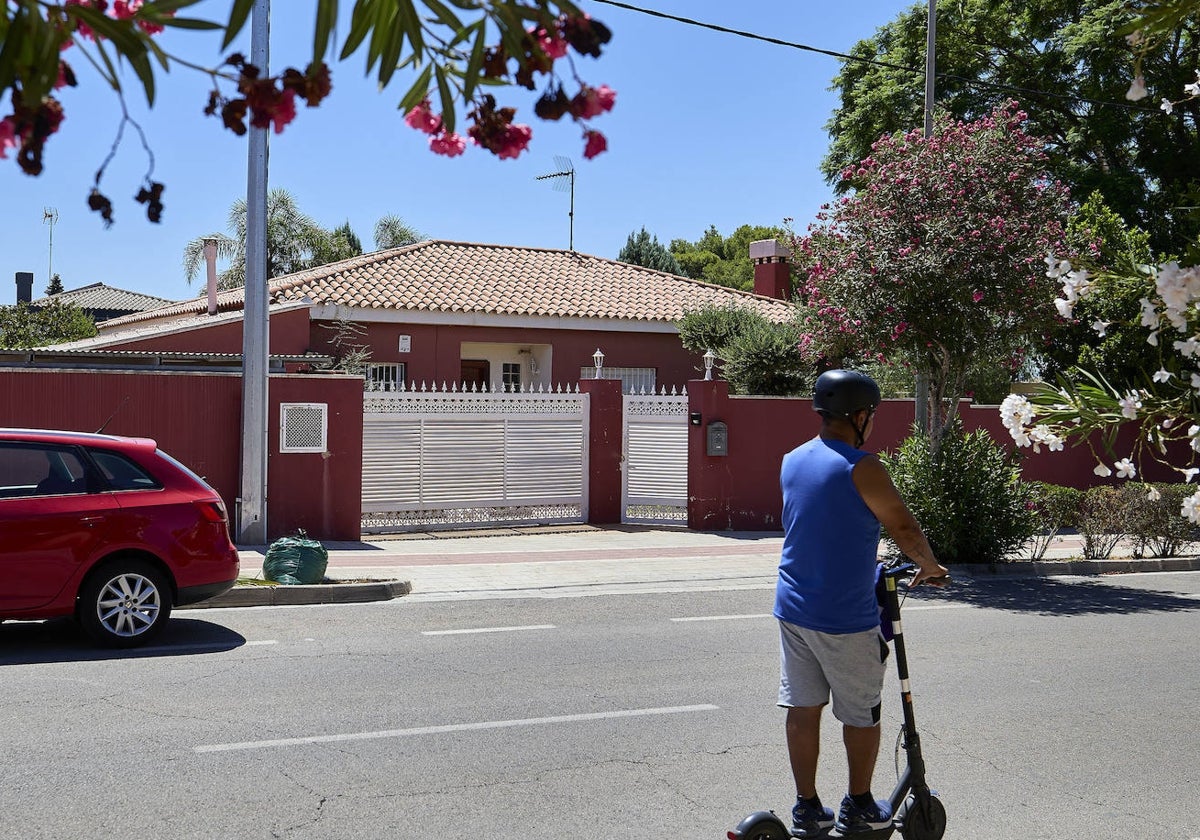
<point>212,511</point>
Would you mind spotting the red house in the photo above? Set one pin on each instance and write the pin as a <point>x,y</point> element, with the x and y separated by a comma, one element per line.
<point>455,313</point>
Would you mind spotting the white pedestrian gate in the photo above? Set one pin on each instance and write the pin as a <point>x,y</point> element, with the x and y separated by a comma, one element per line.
<point>469,458</point>
<point>655,459</point>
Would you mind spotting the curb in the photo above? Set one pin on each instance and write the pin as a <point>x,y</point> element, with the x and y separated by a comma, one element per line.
<point>305,594</point>
<point>1050,568</point>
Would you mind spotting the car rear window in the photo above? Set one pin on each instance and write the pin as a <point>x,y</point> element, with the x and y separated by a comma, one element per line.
<point>122,473</point>
<point>180,466</point>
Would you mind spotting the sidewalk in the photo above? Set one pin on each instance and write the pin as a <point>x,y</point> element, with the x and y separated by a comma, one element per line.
<point>572,560</point>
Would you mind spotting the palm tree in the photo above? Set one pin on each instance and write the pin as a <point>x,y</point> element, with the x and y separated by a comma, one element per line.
<point>392,232</point>
<point>295,242</point>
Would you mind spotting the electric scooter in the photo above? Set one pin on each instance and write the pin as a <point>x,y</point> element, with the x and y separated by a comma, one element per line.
<point>918,814</point>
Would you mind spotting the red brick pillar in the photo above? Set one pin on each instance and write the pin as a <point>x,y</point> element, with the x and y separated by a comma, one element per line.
<point>606,434</point>
<point>710,487</point>
<point>772,269</point>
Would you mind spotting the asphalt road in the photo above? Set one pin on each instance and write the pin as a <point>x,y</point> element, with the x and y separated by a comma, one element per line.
<point>1049,708</point>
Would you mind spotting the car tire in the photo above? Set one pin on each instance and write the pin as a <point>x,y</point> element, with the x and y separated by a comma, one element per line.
<point>124,603</point>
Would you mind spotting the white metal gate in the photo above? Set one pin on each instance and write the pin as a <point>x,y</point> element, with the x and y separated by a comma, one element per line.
<point>655,459</point>
<point>467,458</point>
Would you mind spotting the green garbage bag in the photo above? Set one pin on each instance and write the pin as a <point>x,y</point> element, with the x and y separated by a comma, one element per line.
<point>294,560</point>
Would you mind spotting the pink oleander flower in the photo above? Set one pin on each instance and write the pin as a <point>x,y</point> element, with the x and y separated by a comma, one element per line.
<point>592,102</point>
<point>550,42</point>
<point>8,136</point>
<point>978,296</point>
<point>516,139</point>
<point>447,143</point>
<point>285,111</point>
<point>422,118</point>
<point>596,143</point>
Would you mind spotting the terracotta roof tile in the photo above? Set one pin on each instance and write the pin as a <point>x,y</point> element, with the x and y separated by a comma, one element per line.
<point>443,276</point>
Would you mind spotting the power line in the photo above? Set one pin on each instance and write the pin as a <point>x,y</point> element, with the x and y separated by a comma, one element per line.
<point>873,61</point>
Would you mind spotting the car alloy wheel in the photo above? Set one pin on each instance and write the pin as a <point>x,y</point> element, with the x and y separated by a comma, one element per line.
<point>125,604</point>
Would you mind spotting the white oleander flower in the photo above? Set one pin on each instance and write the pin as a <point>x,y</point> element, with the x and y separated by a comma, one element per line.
<point>1167,106</point>
<point>1191,507</point>
<point>1194,88</point>
<point>1125,468</point>
<point>1102,470</point>
<point>1189,474</point>
<point>1163,375</point>
<point>1130,405</point>
<point>1153,494</point>
<point>1101,327</point>
<point>1137,90</point>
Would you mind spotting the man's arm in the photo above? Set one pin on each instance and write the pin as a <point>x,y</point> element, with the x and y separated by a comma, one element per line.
<point>876,488</point>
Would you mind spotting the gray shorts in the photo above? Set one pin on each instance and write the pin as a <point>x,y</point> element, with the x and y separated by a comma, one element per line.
<point>849,665</point>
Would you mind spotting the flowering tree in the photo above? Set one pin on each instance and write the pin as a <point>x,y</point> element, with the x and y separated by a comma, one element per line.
<point>1083,406</point>
<point>453,48</point>
<point>935,260</point>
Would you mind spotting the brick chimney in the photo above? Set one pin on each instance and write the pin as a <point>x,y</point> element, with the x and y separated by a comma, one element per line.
<point>24,286</point>
<point>772,269</point>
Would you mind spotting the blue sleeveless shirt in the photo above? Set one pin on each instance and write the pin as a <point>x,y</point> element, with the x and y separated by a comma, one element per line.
<point>830,542</point>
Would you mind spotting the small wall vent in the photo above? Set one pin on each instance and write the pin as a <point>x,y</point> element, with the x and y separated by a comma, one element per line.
<point>303,427</point>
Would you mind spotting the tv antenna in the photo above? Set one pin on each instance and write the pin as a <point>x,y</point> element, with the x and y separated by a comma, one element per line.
<point>564,179</point>
<point>50,217</point>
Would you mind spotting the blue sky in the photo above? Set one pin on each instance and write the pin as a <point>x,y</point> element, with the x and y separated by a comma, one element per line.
<point>708,129</point>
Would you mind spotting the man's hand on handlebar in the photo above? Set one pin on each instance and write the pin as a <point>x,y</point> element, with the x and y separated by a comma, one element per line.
<point>935,575</point>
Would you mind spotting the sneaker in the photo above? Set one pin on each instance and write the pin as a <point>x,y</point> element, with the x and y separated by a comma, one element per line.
<point>807,821</point>
<point>855,820</point>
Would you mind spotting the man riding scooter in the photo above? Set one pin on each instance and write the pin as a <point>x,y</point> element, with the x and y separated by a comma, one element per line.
<point>835,497</point>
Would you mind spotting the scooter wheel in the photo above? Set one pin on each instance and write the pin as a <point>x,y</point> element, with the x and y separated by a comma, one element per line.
<point>762,825</point>
<point>923,819</point>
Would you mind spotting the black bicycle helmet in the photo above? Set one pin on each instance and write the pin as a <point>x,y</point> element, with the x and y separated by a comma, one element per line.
<point>840,393</point>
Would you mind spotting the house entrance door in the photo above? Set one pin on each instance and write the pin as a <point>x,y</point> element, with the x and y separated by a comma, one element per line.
<point>476,374</point>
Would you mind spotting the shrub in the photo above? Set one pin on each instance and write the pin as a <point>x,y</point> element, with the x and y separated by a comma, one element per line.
<point>1104,520</point>
<point>970,500</point>
<point>1154,521</point>
<point>1054,507</point>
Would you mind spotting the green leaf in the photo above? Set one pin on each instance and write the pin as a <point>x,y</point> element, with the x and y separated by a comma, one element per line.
<point>163,7</point>
<point>447,99</point>
<point>326,19</point>
<point>112,79</point>
<point>475,63</point>
<point>418,91</point>
<point>187,23</point>
<point>237,19</point>
<point>360,27</point>
<point>444,14</point>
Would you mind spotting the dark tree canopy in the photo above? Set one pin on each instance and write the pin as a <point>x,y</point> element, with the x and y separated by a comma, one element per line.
<point>645,250</point>
<point>1065,57</point>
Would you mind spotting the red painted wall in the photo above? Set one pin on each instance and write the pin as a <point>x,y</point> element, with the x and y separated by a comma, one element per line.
<point>197,418</point>
<point>288,335</point>
<point>436,350</point>
<point>740,491</point>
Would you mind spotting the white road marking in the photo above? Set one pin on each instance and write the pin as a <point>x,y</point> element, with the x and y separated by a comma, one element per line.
<point>486,630</point>
<point>263,642</point>
<point>769,615</point>
<point>454,727</point>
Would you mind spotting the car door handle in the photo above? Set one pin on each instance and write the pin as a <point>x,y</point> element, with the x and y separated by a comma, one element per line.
<point>91,520</point>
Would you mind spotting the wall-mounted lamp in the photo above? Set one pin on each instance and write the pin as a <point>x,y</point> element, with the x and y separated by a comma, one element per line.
<point>598,358</point>
<point>709,358</point>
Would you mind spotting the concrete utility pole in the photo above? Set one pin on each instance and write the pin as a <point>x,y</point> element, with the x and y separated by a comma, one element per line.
<point>252,507</point>
<point>922,386</point>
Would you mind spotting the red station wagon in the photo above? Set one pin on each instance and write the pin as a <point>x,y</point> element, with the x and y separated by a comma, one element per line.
<point>109,529</point>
